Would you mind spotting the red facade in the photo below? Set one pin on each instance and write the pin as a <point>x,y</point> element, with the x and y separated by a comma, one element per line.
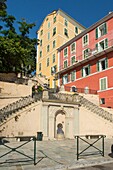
<point>86,61</point>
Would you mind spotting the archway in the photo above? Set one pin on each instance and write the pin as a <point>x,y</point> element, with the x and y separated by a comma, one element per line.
<point>59,123</point>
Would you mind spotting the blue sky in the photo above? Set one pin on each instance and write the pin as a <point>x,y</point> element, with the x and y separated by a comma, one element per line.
<point>86,12</point>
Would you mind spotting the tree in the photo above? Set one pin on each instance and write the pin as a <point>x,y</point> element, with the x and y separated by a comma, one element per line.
<point>17,50</point>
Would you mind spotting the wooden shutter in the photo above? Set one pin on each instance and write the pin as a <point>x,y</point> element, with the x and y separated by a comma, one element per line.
<point>105,28</point>
<point>106,63</point>
<point>82,72</point>
<point>97,65</point>
<point>106,43</point>
<point>96,33</point>
<point>88,69</point>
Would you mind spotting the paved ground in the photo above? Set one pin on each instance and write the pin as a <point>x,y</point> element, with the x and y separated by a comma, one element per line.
<point>55,155</point>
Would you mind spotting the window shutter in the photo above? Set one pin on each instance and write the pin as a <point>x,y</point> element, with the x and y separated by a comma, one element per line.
<point>106,43</point>
<point>106,63</point>
<point>89,69</point>
<point>97,65</point>
<point>96,33</point>
<point>96,46</point>
<point>105,28</point>
<point>82,72</point>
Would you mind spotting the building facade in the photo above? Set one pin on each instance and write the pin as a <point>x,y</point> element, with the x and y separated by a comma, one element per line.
<point>86,61</point>
<point>56,29</point>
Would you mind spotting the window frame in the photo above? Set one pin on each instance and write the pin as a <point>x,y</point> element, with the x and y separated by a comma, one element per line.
<point>65,76</point>
<point>64,52</point>
<point>40,66</point>
<point>86,56</point>
<point>72,51</point>
<point>87,42</point>
<point>48,48</point>
<point>98,32</point>
<point>66,33</point>
<point>54,58</point>
<point>100,83</point>
<point>74,61</point>
<point>54,31</point>
<point>65,61</point>
<point>84,71</point>
<point>65,22</point>
<point>47,62</point>
<point>54,43</point>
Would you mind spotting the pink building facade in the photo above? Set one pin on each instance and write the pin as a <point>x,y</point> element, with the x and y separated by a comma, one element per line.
<point>86,61</point>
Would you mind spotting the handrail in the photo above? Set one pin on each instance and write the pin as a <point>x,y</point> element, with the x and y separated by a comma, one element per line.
<point>6,111</point>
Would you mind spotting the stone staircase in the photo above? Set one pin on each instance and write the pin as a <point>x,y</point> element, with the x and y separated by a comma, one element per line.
<point>14,107</point>
<point>96,109</point>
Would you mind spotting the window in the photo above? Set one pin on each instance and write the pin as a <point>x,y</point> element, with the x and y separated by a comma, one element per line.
<point>48,48</point>
<point>54,44</point>
<point>65,79</point>
<point>65,52</point>
<point>53,69</point>
<point>103,83</point>
<point>85,40</point>
<point>65,64</point>
<point>48,24</point>
<point>101,30</point>
<point>102,101</point>
<point>39,66</point>
<point>40,42</point>
<point>66,22</point>
<point>102,64</point>
<point>54,19</point>
<point>41,32</point>
<point>65,32</point>
<point>40,53</point>
<point>54,31</point>
<point>86,53</point>
<point>72,47</point>
<point>72,60</point>
<point>48,35</point>
<point>53,58</point>
<point>86,71</point>
<point>47,62</point>
<point>72,75</point>
<point>76,30</point>
<point>102,45</point>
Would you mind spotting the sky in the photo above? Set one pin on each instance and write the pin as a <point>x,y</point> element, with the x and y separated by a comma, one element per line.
<point>86,12</point>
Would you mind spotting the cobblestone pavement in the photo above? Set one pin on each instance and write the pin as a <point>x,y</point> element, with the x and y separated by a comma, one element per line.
<point>53,155</point>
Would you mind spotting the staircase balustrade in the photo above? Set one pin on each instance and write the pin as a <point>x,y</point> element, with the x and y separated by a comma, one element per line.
<point>96,109</point>
<point>8,110</point>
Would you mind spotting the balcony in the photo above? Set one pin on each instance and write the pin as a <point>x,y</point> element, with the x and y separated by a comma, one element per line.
<point>90,55</point>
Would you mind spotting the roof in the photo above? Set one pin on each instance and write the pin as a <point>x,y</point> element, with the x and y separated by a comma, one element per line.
<point>107,17</point>
<point>59,10</point>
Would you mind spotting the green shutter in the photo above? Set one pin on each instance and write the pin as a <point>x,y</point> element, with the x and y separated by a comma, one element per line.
<point>97,65</point>
<point>96,46</point>
<point>82,72</point>
<point>105,28</point>
<point>89,69</point>
<point>106,63</point>
<point>96,33</point>
<point>106,43</point>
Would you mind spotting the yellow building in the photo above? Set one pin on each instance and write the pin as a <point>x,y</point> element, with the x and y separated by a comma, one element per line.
<point>56,29</point>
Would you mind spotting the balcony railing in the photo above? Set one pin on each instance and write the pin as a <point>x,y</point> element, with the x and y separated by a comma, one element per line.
<point>91,53</point>
<point>80,90</point>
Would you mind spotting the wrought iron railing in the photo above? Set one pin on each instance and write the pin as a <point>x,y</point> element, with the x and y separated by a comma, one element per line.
<point>80,90</point>
<point>91,52</point>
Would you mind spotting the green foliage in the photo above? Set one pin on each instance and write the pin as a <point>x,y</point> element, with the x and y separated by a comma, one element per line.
<point>17,50</point>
